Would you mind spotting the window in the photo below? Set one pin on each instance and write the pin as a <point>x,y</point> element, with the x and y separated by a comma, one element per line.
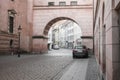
<point>50,3</point>
<point>11,16</point>
<point>12,0</point>
<point>119,17</point>
<point>11,24</point>
<point>73,3</point>
<point>62,3</point>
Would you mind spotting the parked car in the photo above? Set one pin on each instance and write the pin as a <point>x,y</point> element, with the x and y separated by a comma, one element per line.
<point>56,47</point>
<point>80,51</point>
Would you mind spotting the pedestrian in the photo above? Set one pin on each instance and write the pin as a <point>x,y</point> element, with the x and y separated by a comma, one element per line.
<point>11,47</point>
<point>19,52</point>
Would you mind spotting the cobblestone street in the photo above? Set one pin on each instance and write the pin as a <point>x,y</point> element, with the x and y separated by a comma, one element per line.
<point>52,66</point>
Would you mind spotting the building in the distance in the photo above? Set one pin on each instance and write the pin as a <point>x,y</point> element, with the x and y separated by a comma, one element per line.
<point>50,38</point>
<point>65,33</point>
<point>72,32</point>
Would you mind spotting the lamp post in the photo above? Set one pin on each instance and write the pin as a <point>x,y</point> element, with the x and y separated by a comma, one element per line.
<point>19,32</point>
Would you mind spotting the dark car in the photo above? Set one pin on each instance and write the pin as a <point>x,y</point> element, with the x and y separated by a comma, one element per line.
<point>80,51</point>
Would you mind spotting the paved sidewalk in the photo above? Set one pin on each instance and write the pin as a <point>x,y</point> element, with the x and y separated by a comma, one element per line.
<point>77,71</point>
<point>82,69</point>
<point>93,69</point>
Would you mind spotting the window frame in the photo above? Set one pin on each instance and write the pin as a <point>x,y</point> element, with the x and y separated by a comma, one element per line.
<point>11,24</point>
<point>62,3</point>
<point>51,3</point>
<point>73,3</point>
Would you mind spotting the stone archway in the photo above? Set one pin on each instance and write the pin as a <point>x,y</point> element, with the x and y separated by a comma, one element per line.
<point>48,26</point>
<point>65,42</point>
<point>43,18</point>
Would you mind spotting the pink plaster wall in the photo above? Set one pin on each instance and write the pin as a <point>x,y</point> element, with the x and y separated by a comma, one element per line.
<point>21,7</point>
<point>112,58</point>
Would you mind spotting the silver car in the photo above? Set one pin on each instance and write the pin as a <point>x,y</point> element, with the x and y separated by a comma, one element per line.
<point>56,47</point>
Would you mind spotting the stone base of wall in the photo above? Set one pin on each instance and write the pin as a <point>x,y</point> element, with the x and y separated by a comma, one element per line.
<point>40,45</point>
<point>8,43</point>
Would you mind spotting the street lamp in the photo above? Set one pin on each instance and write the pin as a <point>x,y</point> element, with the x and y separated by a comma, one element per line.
<point>19,32</point>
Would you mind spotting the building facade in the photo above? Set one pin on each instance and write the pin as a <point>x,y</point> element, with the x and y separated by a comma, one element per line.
<point>47,12</point>
<point>14,13</point>
<point>36,17</point>
<point>71,32</point>
<point>107,37</point>
<point>50,37</point>
<point>65,34</point>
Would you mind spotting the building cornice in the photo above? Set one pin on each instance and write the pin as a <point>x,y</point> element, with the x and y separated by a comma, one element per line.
<point>63,7</point>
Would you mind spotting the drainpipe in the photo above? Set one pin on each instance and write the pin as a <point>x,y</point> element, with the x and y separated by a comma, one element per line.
<point>93,29</point>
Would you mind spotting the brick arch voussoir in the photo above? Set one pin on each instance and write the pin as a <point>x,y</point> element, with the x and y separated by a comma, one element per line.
<point>51,22</point>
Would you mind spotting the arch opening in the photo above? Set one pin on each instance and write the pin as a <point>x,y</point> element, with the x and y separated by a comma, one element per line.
<point>48,26</point>
<point>63,32</point>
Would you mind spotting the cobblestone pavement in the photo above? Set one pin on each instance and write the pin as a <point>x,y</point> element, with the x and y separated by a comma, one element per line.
<point>77,71</point>
<point>56,65</point>
<point>83,69</point>
<point>32,67</point>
